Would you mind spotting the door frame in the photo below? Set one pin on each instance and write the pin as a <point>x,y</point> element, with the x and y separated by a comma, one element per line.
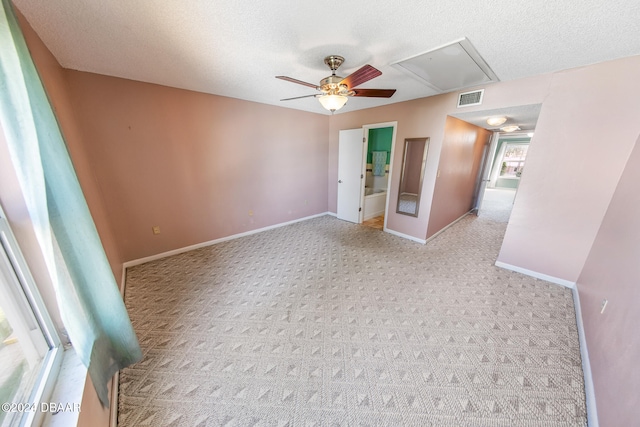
<point>365,132</point>
<point>487,166</point>
<point>495,158</point>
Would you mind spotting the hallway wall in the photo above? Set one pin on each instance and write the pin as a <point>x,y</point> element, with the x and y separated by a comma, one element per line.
<point>460,161</point>
<point>612,273</point>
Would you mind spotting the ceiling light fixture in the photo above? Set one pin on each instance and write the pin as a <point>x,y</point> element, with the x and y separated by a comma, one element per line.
<point>333,102</point>
<point>496,121</point>
<point>510,128</point>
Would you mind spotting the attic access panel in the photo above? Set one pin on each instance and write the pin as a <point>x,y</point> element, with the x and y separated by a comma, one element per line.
<point>454,66</point>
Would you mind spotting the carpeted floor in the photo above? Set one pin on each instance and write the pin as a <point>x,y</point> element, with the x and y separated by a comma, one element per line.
<point>327,323</point>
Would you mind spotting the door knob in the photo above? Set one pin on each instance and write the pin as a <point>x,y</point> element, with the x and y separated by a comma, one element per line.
<point>339,181</point>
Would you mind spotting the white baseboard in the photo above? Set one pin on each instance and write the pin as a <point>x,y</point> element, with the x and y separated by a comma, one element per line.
<point>423,241</point>
<point>589,390</point>
<point>113,405</point>
<point>446,227</point>
<point>115,381</point>
<point>123,279</point>
<point>213,242</point>
<point>556,280</point>
<point>405,236</point>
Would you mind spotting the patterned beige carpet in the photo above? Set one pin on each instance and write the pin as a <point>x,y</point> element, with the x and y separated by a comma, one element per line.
<point>327,323</point>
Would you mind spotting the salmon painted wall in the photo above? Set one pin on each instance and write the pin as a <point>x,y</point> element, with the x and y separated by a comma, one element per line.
<point>612,273</point>
<point>460,161</point>
<point>54,79</point>
<point>199,166</point>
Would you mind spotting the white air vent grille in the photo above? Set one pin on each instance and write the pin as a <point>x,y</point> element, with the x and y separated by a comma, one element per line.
<point>466,99</point>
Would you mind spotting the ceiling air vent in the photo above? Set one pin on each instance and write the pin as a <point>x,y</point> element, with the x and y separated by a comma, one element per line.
<point>467,99</point>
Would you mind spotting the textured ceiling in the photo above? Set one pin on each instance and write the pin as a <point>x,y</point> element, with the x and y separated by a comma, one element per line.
<point>235,48</point>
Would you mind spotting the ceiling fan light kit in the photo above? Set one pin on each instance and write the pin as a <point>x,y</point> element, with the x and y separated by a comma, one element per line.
<point>336,90</point>
<point>333,102</point>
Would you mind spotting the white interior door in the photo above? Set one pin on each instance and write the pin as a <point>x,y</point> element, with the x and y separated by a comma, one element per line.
<point>350,149</point>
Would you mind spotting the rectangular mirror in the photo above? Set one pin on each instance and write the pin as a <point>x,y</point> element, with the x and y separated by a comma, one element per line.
<point>413,163</point>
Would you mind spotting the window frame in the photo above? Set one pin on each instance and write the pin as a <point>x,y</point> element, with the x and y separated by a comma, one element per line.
<point>22,281</point>
<point>521,161</point>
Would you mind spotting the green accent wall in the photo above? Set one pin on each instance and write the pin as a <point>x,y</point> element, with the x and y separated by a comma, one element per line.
<point>380,140</point>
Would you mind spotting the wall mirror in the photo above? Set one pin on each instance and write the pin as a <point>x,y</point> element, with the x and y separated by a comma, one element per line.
<point>413,163</point>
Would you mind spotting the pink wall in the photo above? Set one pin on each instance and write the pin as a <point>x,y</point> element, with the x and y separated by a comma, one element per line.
<point>587,127</point>
<point>196,164</point>
<point>420,118</point>
<point>426,117</point>
<point>460,160</point>
<point>611,272</point>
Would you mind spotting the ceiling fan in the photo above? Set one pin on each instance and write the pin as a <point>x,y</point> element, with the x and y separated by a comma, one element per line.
<point>336,90</point>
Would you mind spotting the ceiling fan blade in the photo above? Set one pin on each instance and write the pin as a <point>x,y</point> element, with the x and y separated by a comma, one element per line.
<point>299,97</point>
<point>375,93</point>
<point>300,82</point>
<point>363,75</point>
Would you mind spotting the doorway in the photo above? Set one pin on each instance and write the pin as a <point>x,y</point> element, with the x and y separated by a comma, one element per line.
<point>503,166</point>
<point>511,153</point>
<point>514,124</point>
<point>365,159</point>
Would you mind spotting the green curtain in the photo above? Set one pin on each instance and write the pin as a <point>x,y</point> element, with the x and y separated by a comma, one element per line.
<point>90,304</point>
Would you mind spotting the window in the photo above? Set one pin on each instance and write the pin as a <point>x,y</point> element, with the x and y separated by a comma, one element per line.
<point>30,350</point>
<point>513,160</point>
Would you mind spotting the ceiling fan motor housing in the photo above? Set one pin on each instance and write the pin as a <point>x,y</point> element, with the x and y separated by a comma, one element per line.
<point>331,85</point>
